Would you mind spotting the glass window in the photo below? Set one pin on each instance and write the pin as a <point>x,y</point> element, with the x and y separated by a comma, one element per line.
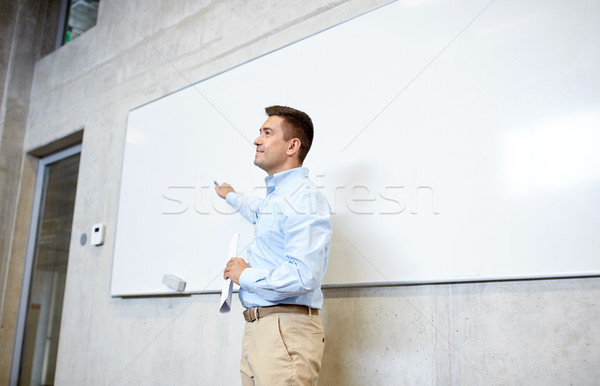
<point>82,15</point>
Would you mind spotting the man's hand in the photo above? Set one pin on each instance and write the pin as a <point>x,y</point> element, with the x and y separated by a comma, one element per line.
<point>234,268</point>
<point>223,189</point>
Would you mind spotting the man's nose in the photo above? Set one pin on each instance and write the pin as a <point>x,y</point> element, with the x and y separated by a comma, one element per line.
<point>257,141</point>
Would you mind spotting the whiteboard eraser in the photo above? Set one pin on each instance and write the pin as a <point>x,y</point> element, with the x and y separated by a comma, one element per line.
<point>174,282</point>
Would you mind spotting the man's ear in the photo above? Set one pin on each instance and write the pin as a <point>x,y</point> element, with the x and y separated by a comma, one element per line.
<point>293,146</point>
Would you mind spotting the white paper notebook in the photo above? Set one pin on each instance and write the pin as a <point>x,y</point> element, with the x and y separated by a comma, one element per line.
<point>227,288</point>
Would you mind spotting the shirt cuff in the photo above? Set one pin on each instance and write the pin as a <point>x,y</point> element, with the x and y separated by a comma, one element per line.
<point>249,278</point>
<point>245,281</point>
<point>231,198</point>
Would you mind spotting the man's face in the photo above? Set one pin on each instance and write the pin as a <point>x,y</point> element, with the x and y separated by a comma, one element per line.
<point>271,148</point>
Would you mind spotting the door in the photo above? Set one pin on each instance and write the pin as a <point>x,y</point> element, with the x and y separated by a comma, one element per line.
<point>44,278</point>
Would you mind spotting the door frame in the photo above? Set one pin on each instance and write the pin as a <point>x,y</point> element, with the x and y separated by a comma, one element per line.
<point>37,208</point>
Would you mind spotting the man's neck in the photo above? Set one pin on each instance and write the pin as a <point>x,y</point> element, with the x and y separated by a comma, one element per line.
<point>284,168</point>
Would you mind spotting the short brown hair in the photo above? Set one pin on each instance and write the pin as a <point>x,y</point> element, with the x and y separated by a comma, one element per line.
<point>299,125</point>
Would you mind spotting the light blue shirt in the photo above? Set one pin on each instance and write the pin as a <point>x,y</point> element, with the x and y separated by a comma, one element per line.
<point>289,255</point>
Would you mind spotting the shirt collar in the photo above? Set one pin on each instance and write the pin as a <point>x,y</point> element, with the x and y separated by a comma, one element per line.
<point>285,178</point>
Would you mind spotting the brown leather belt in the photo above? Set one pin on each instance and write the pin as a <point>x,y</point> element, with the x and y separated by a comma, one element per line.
<point>252,314</point>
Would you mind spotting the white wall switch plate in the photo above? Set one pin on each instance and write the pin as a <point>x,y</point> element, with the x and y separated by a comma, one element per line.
<point>98,234</point>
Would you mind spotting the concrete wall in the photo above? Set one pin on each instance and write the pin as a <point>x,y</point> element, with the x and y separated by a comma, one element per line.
<point>25,30</point>
<point>522,332</point>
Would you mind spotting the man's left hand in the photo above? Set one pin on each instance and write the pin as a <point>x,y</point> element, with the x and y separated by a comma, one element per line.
<point>234,268</point>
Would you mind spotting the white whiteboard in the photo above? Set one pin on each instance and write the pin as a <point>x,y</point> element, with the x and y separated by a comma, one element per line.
<point>454,140</point>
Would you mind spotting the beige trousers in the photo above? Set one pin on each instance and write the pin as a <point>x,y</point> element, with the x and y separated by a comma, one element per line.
<point>282,349</point>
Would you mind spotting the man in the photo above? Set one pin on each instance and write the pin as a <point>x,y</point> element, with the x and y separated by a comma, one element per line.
<point>280,281</point>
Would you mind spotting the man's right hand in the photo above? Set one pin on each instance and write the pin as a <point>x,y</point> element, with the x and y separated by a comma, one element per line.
<point>223,189</point>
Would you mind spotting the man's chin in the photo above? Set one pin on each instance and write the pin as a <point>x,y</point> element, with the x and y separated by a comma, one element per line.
<point>258,163</point>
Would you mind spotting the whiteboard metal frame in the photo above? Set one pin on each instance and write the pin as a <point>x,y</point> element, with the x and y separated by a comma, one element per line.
<point>432,280</point>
